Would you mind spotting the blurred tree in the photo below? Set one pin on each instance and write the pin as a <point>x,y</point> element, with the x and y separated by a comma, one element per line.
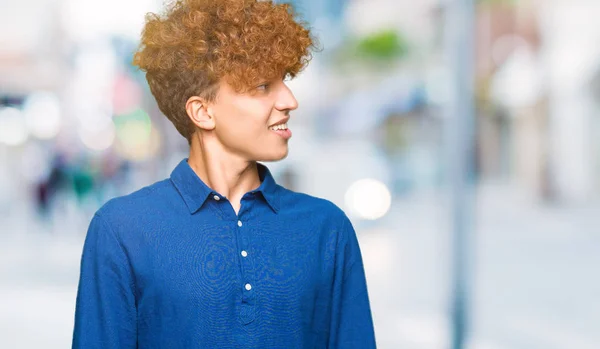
<point>386,44</point>
<point>377,50</point>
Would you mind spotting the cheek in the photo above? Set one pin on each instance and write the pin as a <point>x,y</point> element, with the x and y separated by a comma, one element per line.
<point>237,125</point>
<point>252,117</point>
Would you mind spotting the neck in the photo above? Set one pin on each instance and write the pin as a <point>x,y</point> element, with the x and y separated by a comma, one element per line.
<point>225,173</point>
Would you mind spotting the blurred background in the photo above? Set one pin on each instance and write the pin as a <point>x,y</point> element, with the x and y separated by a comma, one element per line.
<point>78,126</point>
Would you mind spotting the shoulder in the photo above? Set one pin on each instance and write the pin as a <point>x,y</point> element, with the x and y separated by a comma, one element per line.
<point>134,206</point>
<point>324,217</point>
<point>316,207</point>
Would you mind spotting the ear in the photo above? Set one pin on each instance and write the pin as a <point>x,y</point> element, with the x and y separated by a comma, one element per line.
<point>200,112</point>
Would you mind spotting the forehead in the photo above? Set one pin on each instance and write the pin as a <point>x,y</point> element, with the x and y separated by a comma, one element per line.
<point>240,84</point>
<point>229,90</point>
<point>227,93</point>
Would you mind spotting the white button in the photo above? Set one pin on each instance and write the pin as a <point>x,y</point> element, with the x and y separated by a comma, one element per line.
<point>248,287</point>
<point>244,254</point>
<point>216,197</point>
<point>239,223</point>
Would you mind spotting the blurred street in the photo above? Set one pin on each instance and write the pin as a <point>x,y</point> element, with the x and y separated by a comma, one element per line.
<point>386,116</point>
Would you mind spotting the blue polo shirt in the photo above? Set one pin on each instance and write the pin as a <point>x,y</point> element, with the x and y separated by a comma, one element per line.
<point>172,266</point>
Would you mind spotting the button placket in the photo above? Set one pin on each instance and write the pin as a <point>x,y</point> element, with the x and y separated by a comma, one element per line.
<point>248,270</point>
<point>247,312</point>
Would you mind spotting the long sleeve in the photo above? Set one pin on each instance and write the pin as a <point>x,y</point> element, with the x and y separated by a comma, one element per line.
<point>105,314</point>
<point>352,323</point>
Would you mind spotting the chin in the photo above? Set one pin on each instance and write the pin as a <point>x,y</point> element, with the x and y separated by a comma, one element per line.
<point>274,156</point>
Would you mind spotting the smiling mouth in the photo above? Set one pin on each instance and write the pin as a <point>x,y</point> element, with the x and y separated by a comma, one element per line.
<point>282,131</point>
<point>279,127</point>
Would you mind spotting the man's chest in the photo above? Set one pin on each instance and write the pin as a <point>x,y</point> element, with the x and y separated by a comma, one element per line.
<point>225,262</point>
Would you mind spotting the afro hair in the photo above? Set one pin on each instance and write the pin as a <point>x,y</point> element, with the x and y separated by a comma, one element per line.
<point>195,44</point>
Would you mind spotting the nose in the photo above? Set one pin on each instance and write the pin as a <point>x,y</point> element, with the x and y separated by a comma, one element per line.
<point>286,100</point>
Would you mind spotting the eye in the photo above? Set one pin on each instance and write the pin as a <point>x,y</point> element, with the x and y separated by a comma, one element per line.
<point>263,87</point>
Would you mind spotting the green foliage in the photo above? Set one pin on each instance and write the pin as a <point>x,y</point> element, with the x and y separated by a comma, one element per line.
<point>386,44</point>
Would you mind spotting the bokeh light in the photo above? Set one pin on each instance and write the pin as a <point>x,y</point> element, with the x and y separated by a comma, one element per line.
<point>137,139</point>
<point>13,130</point>
<point>42,115</point>
<point>368,199</point>
<point>98,139</point>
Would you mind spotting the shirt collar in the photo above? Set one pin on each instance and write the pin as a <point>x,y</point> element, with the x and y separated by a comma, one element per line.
<point>195,192</point>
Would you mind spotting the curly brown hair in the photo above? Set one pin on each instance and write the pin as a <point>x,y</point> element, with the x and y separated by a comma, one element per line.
<point>194,44</point>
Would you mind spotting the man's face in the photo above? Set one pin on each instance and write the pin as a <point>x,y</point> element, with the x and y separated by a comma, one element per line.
<point>244,122</point>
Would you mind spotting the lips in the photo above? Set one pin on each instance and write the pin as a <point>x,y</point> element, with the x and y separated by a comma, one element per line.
<point>285,133</point>
<point>280,122</point>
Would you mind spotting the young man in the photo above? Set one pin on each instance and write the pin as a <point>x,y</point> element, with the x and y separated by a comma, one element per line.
<point>219,255</point>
